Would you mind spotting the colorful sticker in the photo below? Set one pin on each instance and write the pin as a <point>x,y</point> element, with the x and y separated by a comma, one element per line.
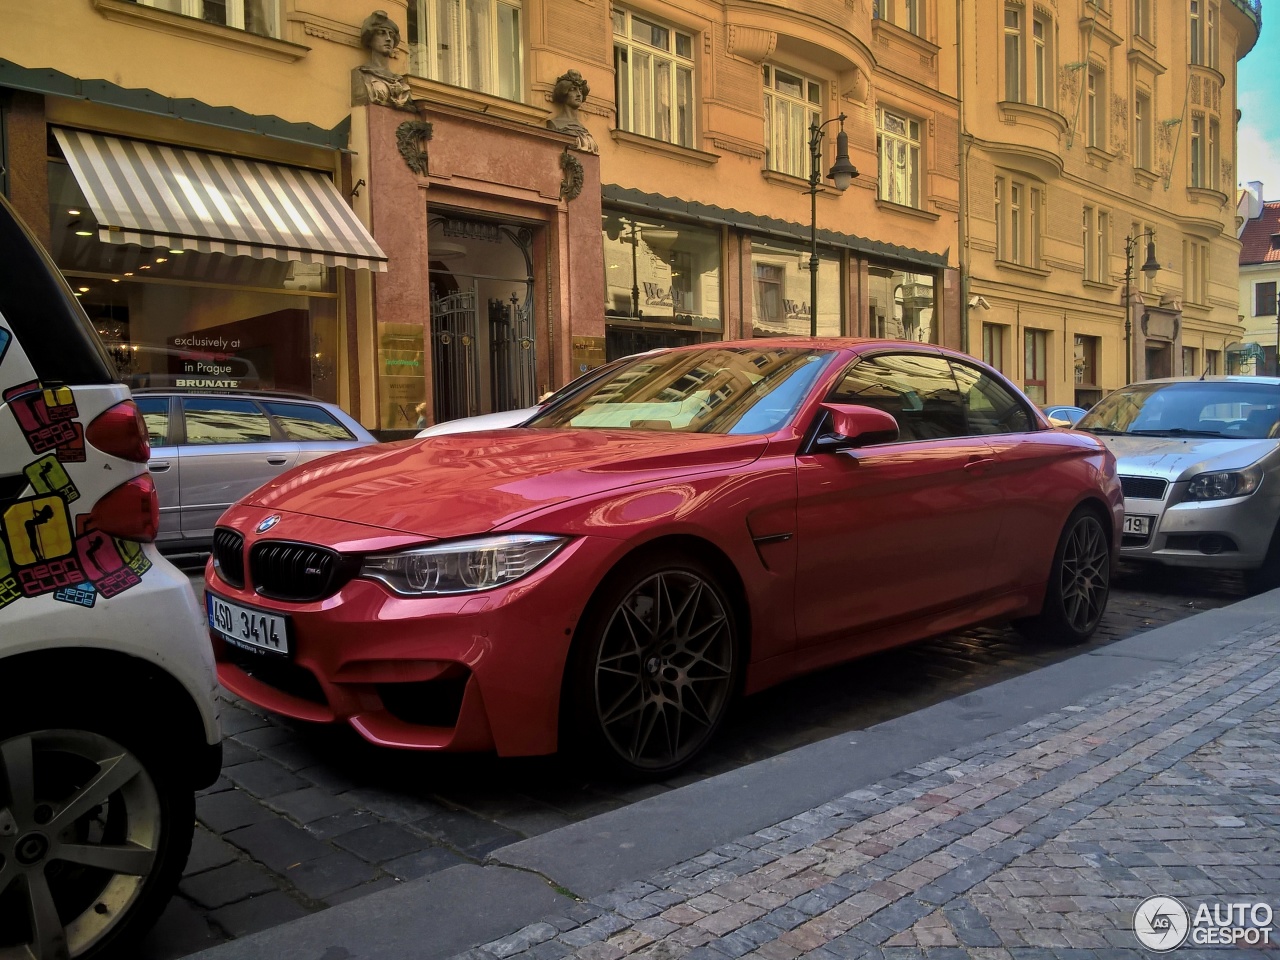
<point>47,475</point>
<point>131,552</point>
<point>118,582</point>
<point>9,591</point>
<point>83,595</point>
<point>37,529</point>
<point>5,567</point>
<point>50,575</point>
<point>48,426</point>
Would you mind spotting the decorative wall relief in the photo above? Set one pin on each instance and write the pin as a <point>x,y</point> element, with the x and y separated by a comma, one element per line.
<point>571,183</point>
<point>375,82</point>
<point>1068,84</point>
<point>410,137</point>
<point>570,92</point>
<point>1119,125</point>
<point>751,43</point>
<point>1194,87</point>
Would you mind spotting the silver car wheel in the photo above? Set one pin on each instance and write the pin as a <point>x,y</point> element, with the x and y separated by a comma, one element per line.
<point>80,826</point>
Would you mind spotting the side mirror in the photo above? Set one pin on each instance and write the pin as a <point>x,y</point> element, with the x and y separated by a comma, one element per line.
<point>855,426</point>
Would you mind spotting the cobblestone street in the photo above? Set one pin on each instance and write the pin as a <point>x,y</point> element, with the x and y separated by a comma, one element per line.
<point>303,819</point>
<point>1036,843</point>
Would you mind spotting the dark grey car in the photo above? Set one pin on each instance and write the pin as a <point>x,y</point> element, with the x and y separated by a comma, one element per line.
<point>209,449</point>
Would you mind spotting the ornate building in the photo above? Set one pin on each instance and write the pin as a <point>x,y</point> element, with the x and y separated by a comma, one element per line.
<point>1259,279</point>
<point>461,204</point>
<point>1092,129</point>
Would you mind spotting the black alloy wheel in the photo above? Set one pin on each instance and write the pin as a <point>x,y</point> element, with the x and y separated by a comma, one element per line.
<point>656,667</point>
<point>1079,582</point>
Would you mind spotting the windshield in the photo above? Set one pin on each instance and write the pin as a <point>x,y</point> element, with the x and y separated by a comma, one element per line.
<point>1195,408</point>
<point>728,390</point>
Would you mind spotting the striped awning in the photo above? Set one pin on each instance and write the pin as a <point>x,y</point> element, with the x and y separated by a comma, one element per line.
<point>157,195</point>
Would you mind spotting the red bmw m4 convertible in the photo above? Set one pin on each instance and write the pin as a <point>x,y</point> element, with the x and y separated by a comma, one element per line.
<point>699,524</point>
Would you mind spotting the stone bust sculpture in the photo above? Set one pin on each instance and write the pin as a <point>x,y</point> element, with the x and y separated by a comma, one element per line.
<point>569,93</point>
<point>375,81</point>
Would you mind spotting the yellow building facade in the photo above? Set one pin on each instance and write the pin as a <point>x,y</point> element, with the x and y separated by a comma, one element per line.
<point>432,245</point>
<point>1091,130</point>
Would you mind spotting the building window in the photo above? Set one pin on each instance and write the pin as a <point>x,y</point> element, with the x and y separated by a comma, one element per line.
<point>1028,81</point>
<point>1095,108</point>
<point>791,104</point>
<point>1096,238</point>
<point>1085,365</point>
<point>780,306</point>
<point>1019,220</point>
<point>654,68</point>
<point>1102,246</point>
<point>1196,150</point>
<point>1142,19</point>
<point>902,305</point>
<point>1197,38</point>
<point>1211,36</point>
<point>1086,243</point>
<point>1212,362</point>
<point>1035,364</point>
<point>1188,361</point>
<point>1015,222</point>
<point>1195,272</point>
<point>1264,299</point>
<point>254,16</point>
<point>475,44</point>
<point>901,13</point>
<point>1002,240</point>
<point>1142,131</point>
<point>1211,170</point>
<point>899,148</point>
<point>993,344</point>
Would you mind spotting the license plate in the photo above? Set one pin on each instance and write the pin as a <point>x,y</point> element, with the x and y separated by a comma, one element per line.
<point>247,628</point>
<point>1138,525</point>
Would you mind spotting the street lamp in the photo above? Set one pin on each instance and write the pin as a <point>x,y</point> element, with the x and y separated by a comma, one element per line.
<point>1149,268</point>
<point>842,172</point>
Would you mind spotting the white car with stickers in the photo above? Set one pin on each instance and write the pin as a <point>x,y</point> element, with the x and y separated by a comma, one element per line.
<point>108,723</point>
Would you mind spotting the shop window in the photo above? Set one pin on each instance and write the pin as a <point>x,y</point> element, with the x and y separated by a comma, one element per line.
<point>1142,131</point>
<point>1035,364</point>
<point>255,16</point>
<point>1264,299</point>
<point>993,335</point>
<point>780,295</point>
<point>475,44</point>
<point>1086,361</point>
<point>792,103</point>
<point>903,304</point>
<point>901,13</point>
<point>899,143</point>
<point>1028,78</point>
<point>653,64</point>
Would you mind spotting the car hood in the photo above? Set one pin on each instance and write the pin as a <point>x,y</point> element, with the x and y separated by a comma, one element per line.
<point>1181,458</point>
<point>464,484</point>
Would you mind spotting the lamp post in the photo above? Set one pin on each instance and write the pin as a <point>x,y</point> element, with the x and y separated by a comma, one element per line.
<point>1149,268</point>
<point>842,172</point>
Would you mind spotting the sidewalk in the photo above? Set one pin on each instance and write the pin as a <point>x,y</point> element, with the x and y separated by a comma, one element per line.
<point>1027,820</point>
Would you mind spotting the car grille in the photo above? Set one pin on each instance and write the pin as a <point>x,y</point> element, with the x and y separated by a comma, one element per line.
<point>1144,488</point>
<point>228,556</point>
<point>300,572</point>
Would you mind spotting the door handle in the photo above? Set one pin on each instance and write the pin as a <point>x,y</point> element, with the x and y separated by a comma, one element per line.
<point>277,461</point>
<point>978,465</point>
<point>158,466</point>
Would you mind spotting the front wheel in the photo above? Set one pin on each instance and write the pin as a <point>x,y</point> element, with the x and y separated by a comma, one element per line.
<point>655,666</point>
<point>92,841</point>
<point>1079,583</point>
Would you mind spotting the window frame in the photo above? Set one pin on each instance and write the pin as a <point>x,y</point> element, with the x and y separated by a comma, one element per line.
<point>1195,35</point>
<point>1142,19</point>
<point>993,336</point>
<point>1035,374</point>
<point>235,11</point>
<point>1019,210</point>
<point>1029,40</point>
<point>1259,291</point>
<point>1095,107</point>
<point>1195,151</point>
<point>772,97</point>
<point>913,151</point>
<point>424,58</point>
<point>625,43</point>
<point>1142,130</point>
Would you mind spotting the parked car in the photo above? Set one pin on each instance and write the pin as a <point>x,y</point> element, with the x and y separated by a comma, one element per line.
<point>702,522</point>
<point>1063,414</point>
<point>514,418</point>
<point>108,723</point>
<point>210,449</point>
<point>1199,460</point>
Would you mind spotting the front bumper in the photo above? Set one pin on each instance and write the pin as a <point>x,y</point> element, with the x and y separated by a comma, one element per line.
<point>469,672</point>
<point>1231,534</point>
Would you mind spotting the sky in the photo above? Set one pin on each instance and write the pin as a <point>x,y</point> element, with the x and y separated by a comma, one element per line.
<point>1258,145</point>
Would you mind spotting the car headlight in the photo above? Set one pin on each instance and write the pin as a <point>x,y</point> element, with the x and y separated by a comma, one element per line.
<point>1224,484</point>
<point>462,566</point>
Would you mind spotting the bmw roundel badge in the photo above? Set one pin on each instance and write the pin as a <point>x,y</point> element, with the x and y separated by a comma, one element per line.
<point>268,523</point>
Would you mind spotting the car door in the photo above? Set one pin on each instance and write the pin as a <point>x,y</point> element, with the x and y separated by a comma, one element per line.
<point>1034,470</point>
<point>892,531</point>
<point>165,466</point>
<point>229,449</point>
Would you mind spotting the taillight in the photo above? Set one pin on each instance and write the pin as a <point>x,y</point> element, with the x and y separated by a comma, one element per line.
<point>121,432</point>
<point>130,511</point>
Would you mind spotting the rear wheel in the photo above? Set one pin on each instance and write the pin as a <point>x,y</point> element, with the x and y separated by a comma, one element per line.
<point>655,666</point>
<point>1079,583</point>
<point>94,832</point>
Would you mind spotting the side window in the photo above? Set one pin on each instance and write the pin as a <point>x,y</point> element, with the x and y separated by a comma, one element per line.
<point>918,390</point>
<point>155,412</point>
<point>301,421</point>
<point>219,420</point>
<point>989,406</point>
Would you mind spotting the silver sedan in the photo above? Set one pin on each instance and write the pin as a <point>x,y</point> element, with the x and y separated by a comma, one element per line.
<point>208,450</point>
<point>1199,460</point>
